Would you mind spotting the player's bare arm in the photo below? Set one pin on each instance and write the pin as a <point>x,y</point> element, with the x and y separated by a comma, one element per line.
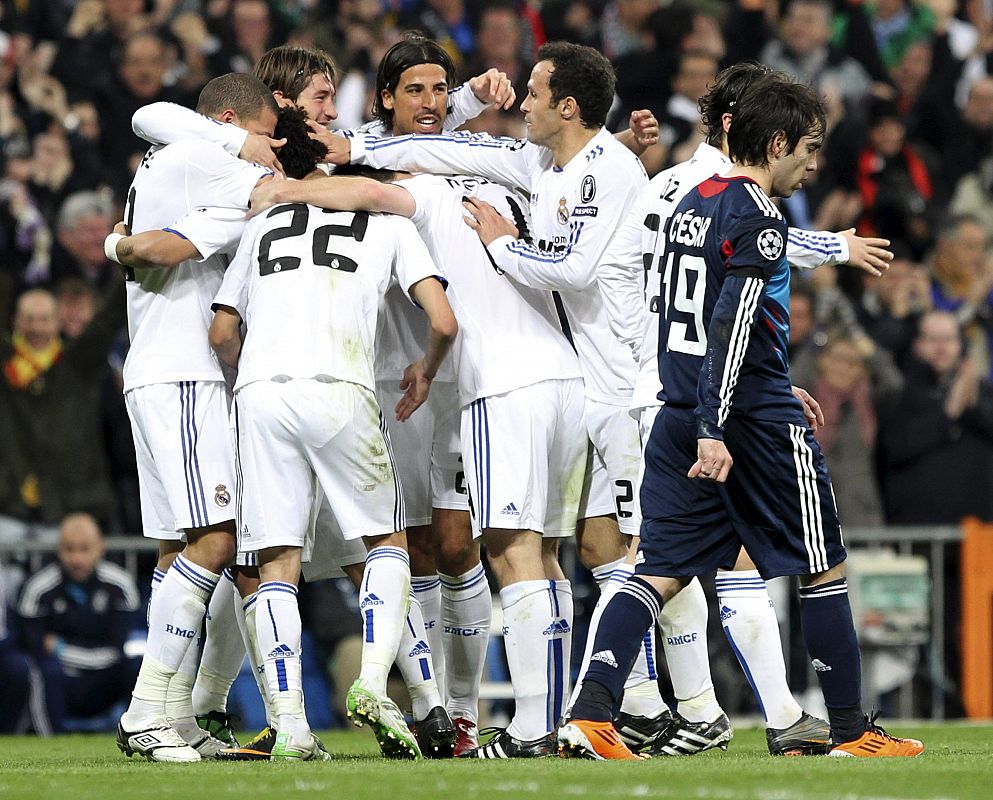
<point>866,253</point>
<point>488,223</point>
<point>713,461</point>
<point>642,133</point>
<point>349,193</point>
<point>493,88</point>
<point>148,250</point>
<point>417,377</point>
<point>225,335</point>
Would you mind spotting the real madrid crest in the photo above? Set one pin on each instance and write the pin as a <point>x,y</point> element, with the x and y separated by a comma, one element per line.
<point>563,212</point>
<point>222,497</point>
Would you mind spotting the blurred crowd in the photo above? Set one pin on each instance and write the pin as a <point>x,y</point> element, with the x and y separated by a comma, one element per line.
<point>901,365</point>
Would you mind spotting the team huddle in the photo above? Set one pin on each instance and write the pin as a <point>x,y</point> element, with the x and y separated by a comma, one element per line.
<point>427,342</point>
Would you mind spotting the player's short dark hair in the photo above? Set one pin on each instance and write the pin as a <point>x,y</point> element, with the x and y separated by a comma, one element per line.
<point>246,95</point>
<point>412,51</point>
<point>724,93</point>
<point>301,154</point>
<point>288,69</point>
<point>768,108</point>
<point>585,75</point>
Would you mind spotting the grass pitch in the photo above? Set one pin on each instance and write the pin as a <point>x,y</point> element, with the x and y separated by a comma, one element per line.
<point>958,764</point>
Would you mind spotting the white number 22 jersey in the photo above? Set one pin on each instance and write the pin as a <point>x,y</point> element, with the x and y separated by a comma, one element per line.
<point>309,284</point>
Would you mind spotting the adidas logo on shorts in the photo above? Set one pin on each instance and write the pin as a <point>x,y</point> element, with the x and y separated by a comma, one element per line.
<point>420,649</point>
<point>820,666</point>
<point>727,613</point>
<point>607,657</point>
<point>370,600</point>
<point>510,510</point>
<point>283,651</point>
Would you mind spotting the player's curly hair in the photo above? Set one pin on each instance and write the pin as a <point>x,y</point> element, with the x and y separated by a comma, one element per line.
<point>585,75</point>
<point>724,93</point>
<point>770,107</point>
<point>412,51</point>
<point>301,154</point>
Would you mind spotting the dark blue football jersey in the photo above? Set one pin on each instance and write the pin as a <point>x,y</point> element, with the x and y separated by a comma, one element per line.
<point>724,307</point>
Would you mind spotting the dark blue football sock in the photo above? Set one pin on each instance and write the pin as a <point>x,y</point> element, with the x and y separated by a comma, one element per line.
<point>826,618</point>
<point>630,612</point>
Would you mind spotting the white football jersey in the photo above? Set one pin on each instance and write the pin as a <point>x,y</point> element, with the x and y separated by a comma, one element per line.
<point>200,192</point>
<point>574,211</point>
<point>509,334</point>
<point>309,284</point>
<point>630,273</point>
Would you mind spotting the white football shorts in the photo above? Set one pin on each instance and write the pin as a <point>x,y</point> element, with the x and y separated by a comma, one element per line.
<point>427,452</point>
<point>525,455</point>
<point>298,437</point>
<point>182,446</point>
<point>616,461</point>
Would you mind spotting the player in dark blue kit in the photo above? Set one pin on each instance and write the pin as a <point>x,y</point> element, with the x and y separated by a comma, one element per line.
<point>729,402</point>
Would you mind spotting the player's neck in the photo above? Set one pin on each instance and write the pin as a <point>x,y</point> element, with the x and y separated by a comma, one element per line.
<point>761,175</point>
<point>571,141</point>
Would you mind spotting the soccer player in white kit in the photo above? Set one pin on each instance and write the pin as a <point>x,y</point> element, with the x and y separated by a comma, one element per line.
<point>308,420</point>
<point>301,78</point>
<point>523,436</point>
<point>178,402</point>
<point>630,276</point>
<point>581,184</point>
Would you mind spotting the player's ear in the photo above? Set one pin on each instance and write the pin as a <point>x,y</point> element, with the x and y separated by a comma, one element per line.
<point>778,145</point>
<point>282,100</point>
<point>726,121</point>
<point>228,115</point>
<point>387,97</point>
<point>568,108</point>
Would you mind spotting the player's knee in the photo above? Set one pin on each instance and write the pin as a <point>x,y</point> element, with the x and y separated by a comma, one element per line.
<point>456,556</point>
<point>421,550</point>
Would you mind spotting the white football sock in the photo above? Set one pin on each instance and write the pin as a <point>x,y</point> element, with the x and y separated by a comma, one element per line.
<point>427,590</point>
<point>179,696</point>
<point>466,611</point>
<point>684,636</point>
<point>175,615</point>
<point>560,643</point>
<point>527,614</point>
<point>255,656</point>
<point>223,649</point>
<point>415,658</point>
<point>751,627</point>
<point>278,627</point>
<point>383,599</point>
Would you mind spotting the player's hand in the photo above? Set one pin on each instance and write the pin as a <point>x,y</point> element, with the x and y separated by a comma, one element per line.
<point>645,128</point>
<point>493,87</point>
<point>713,461</point>
<point>416,385</point>
<point>320,133</point>
<point>488,223</point>
<point>265,195</point>
<point>867,254</point>
<point>261,150</point>
<point>122,228</point>
<point>811,408</point>
<point>339,147</point>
